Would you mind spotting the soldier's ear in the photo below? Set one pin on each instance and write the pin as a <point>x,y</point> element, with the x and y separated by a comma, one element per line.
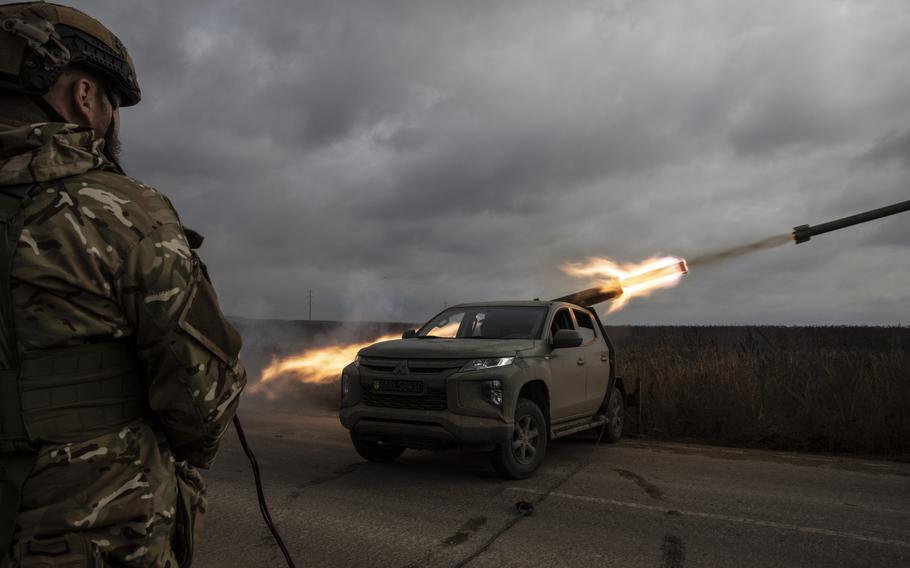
<point>84,101</point>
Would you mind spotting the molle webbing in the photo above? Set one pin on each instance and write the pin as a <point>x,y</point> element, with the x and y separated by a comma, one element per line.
<point>76,393</point>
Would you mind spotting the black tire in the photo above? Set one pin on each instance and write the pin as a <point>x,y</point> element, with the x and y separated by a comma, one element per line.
<point>616,416</point>
<point>524,453</point>
<point>376,451</point>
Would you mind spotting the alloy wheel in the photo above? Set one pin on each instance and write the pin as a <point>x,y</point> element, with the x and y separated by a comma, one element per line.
<point>525,439</point>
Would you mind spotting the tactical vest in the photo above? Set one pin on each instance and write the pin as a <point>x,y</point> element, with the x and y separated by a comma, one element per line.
<point>53,396</point>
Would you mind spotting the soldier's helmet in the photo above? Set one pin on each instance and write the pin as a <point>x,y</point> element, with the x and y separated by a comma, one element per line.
<point>39,39</point>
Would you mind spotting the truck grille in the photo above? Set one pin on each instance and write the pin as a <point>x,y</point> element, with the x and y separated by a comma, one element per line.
<point>387,382</point>
<point>419,366</point>
<point>432,400</point>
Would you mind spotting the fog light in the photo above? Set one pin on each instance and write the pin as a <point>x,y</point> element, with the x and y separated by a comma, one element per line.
<point>345,386</point>
<point>492,392</point>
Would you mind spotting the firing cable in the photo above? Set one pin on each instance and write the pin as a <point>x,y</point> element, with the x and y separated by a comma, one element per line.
<point>263,506</point>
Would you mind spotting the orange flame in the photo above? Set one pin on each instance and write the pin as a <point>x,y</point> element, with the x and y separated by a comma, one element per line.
<point>632,280</point>
<point>318,365</point>
<point>447,331</point>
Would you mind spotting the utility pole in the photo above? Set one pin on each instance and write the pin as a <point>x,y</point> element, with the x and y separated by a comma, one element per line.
<point>310,302</point>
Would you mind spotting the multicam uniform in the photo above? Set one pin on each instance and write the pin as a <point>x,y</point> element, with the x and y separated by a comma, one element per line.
<point>104,258</point>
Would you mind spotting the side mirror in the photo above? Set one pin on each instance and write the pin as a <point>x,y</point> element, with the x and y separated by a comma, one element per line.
<point>409,333</point>
<point>566,338</point>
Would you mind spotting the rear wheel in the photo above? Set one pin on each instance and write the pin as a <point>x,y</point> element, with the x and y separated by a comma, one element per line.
<point>524,452</point>
<point>376,451</point>
<point>616,416</point>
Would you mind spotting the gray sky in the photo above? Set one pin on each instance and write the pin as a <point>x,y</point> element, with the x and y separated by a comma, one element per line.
<point>399,156</point>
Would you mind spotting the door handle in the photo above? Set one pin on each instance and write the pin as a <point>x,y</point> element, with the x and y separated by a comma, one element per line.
<point>603,357</point>
<point>581,361</point>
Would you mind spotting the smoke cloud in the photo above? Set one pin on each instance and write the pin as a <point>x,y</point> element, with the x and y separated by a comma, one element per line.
<point>738,251</point>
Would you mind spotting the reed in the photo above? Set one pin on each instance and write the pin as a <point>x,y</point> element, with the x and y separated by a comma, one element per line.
<point>835,389</point>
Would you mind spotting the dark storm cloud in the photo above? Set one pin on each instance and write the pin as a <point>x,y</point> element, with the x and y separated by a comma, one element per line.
<point>399,156</point>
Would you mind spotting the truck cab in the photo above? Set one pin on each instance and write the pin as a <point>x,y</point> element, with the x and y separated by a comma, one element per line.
<point>508,376</point>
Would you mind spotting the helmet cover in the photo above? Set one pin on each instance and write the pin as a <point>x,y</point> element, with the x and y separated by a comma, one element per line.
<point>38,40</point>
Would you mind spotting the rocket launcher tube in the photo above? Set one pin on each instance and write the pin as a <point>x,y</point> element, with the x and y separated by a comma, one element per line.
<point>596,295</point>
<point>613,288</point>
<point>803,233</point>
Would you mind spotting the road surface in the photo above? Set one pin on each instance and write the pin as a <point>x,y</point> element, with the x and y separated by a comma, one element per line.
<point>632,504</point>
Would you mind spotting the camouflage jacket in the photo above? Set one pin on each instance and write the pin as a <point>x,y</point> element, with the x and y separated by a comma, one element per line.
<point>103,256</point>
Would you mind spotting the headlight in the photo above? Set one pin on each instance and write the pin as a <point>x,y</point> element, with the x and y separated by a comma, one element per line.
<point>492,392</point>
<point>481,364</point>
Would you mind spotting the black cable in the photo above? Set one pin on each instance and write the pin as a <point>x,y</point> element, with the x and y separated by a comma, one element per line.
<point>263,506</point>
<point>602,430</point>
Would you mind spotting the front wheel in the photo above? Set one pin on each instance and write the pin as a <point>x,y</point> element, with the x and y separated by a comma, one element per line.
<point>376,451</point>
<point>616,416</point>
<point>524,452</point>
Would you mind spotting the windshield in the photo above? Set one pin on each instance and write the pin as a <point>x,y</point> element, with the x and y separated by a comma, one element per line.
<point>499,322</point>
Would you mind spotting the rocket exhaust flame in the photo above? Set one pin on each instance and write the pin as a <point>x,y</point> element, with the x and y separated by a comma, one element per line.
<point>317,365</point>
<point>672,271</point>
<point>622,282</point>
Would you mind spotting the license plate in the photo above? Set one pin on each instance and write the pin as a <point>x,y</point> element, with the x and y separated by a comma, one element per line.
<point>398,386</point>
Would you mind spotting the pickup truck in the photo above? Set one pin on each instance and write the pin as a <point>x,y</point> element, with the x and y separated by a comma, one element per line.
<point>508,376</point>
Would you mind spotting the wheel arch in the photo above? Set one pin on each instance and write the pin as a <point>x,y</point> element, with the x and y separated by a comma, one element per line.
<point>536,390</point>
<point>617,382</point>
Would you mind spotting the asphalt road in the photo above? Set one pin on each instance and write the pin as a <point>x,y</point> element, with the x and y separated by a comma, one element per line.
<point>631,504</point>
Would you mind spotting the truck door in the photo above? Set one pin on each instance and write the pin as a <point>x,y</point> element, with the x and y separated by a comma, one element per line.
<point>597,361</point>
<point>568,397</point>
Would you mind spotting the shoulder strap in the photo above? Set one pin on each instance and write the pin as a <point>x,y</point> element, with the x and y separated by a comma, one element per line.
<point>11,423</point>
<point>11,198</point>
<point>14,467</point>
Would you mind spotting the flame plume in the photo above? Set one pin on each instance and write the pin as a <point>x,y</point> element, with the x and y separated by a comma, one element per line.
<point>622,282</point>
<point>318,365</point>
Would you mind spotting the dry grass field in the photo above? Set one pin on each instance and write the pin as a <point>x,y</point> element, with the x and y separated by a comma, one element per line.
<point>828,389</point>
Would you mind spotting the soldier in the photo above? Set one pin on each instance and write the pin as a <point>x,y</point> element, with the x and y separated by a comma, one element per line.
<point>118,371</point>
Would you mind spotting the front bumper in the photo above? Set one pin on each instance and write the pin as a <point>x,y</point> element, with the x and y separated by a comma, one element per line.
<point>433,430</point>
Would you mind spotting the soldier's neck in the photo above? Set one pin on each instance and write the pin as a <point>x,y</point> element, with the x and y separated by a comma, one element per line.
<point>24,109</point>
